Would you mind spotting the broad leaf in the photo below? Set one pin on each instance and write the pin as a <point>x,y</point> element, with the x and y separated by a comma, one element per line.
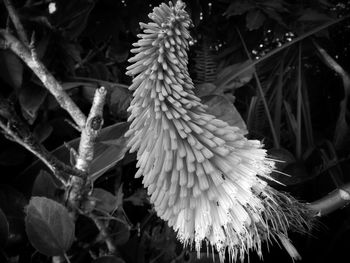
<point>44,185</point>
<point>49,227</point>
<point>105,201</point>
<point>204,89</point>
<point>238,8</point>
<point>11,69</point>
<point>255,19</point>
<point>226,80</point>
<point>222,108</point>
<point>31,97</point>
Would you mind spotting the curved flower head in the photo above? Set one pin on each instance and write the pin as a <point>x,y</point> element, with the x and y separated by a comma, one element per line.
<point>203,176</point>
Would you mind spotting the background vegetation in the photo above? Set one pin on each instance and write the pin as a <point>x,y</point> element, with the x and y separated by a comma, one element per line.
<point>277,68</point>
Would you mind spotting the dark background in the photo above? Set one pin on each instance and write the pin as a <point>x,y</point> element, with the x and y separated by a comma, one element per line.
<point>86,44</point>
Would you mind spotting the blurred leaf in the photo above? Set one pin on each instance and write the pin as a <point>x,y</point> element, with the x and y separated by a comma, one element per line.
<point>75,14</point>
<point>227,81</point>
<point>42,131</point>
<point>105,201</point>
<point>255,19</point>
<point>239,7</point>
<point>49,227</point>
<point>204,89</point>
<point>138,198</point>
<point>119,102</point>
<point>31,98</point>
<point>223,109</point>
<point>312,15</point>
<point>118,52</point>
<point>44,185</point>
<point>11,69</point>
<point>108,259</point>
<point>4,229</point>
<point>120,230</point>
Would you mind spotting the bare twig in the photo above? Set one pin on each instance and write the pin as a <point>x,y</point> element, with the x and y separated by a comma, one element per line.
<point>49,81</point>
<point>333,201</point>
<point>16,22</point>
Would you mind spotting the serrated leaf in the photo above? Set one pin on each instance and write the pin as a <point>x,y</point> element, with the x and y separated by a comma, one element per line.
<point>49,227</point>
<point>11,69</point>
<point>44,185</point>
<point>105,201</point>
<point>255,19</point>
<point>4,229</point>
<point>223,109</point>
<point>108,259</point>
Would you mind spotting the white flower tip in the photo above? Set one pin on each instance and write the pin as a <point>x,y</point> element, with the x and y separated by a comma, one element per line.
<point>292,251</point>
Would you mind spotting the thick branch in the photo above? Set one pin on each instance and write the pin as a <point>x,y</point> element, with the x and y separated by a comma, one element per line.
<point>16,22</point>
<point>89,134</point>
<point>45,76</point>
<point>91,130</point>
<point>333,201</point>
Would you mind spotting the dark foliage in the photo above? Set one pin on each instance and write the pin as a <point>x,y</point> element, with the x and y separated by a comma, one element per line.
<point>283,65</point>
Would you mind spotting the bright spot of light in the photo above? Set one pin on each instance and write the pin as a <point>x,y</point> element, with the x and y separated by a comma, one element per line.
<point>52,7</point>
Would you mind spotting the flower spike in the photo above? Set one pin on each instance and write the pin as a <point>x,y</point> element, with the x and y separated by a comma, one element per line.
<point>203,176</point>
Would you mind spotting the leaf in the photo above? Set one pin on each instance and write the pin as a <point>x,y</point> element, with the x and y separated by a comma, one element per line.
<point>311,15</point>
<point>108,259</point>
<point>227,81</point>
<point>204,89</point>
<point>255,19</point>
<point>44,185</point>
<point>4,229</point>
<point>105,201</point>
<point>119,102</point>
<point>238,8</point>
<point>222,108</point>
<point>11,69</point>
<point>110,147</point>
<point>30,99</point>
<point>138,198</point>
<point>42,131</point>
<point>120,230</point>
<point>49,227</point>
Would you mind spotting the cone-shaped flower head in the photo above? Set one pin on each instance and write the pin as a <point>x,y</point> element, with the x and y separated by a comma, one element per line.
<point>203,176</point>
